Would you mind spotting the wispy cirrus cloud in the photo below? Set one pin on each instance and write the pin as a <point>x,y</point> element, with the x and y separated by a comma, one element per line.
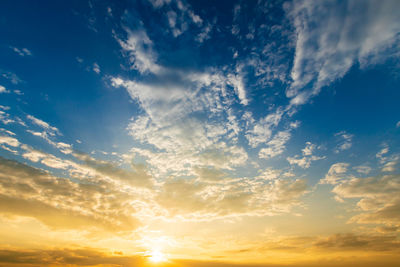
<point>364,33</point>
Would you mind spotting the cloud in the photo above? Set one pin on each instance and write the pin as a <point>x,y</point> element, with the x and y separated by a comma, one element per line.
<point>275,146</point>
<point>61,203</point>
<point>345,142</point>
<point>178,18</point>
<point>12,77</point>
<point>138,176</point>
<point>21,51</point>
<point>187,116</point>
<point>4,116</point>
<point>51,130</point>
<point>379,198</point>
<point>390,166</point>
<point>381,153</point>
<point>262,129</point>
<point>138,46</point>
<point>3,90</point>
<point>204,34</point>
<point>86,256</point>
<point>389,162</point>
<point>332,36</point>
<point>352,241</point>
<point>363,169</point>
<point>11,141</point>
<point>159,3</point>
<point>66,256</point>
<point>196,200</point>
<point>237,82</point>
<point>96,68</point>
<point>336,173</point>
<point>305,161</point>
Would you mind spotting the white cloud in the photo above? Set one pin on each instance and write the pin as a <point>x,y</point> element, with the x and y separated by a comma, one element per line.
<point>51,130</point>
<point>12,77</point>
<point>159,3</point>
<point>379,198</point>
<point>337,172</point>
<point>363,169</point>
<point>275,146</point>
<point>305,161</point>
<point>204,34</point>
<point>332,36</point>
<point>309,149</point>
<point>3,89</point>
<point>18,92</point>
<point>269,174</point>
<point>5,117</point>
<point>345,142</point>
<point>64,148</point>
<point>178,18</point>
<point>387,161</point>
<point>21,51</point>
<point>10,141</point>
<point>390,166</point>
<point>139,48</point>
<point>237,82</point>
<point>381,153</point>
<point>261,130</point>
<point>96,68</point>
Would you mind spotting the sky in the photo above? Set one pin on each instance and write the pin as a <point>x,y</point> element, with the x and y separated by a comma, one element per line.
<point>199,133</point>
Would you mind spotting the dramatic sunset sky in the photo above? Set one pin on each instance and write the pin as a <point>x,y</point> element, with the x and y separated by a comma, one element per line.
<point>200,133</point>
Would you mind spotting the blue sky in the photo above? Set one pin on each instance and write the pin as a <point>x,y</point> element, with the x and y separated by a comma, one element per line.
<point>263,108</point>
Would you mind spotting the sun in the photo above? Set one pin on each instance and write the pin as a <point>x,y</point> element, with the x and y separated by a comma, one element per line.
<point>157,256</point>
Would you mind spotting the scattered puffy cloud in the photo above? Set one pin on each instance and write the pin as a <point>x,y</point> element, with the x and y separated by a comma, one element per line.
<point>3,90</point>
<point>381,153</point>
<point>10,141</point>
<point>11,76</point>
<point>345,141</point>
<point>336,173</point>
<point>61,203</point>
<point>363,169</point>
<point>51,130</point>
<point>21,51</point>
<point>379,198</point>
<point>96,68</point>
<point>204,201</point>
<point>387,161</point>
<point>390,166</point>
<point>261,130</point>
<point>275,146</point>
<point>137,176</point>
<point>179,15</point>
<point>196,133</point>
<point>307,158</point>
<point>204,34</point>
<point>4,116</point>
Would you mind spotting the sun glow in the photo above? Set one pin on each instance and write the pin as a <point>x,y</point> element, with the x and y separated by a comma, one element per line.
<point>157,256</point>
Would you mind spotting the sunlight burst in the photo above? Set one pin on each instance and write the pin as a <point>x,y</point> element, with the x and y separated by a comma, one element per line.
<point>157,256</point>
